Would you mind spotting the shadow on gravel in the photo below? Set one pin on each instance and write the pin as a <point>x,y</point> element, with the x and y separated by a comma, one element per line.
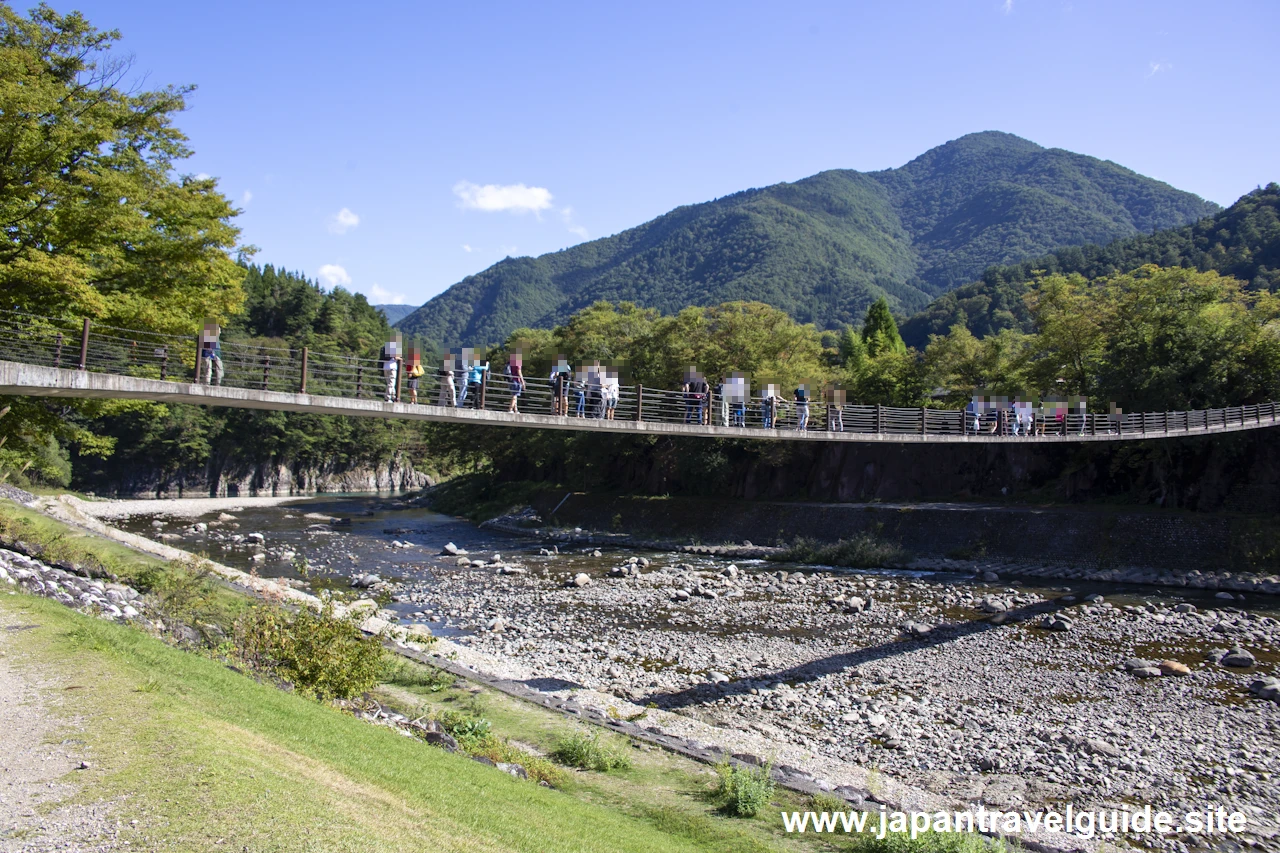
<point>549,685</point>
<point>848,660</point>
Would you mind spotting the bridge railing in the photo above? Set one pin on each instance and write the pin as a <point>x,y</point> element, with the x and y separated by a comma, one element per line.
<point>91,346</point>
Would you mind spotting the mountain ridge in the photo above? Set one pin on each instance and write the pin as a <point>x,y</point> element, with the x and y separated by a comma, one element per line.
<point>824,247</point>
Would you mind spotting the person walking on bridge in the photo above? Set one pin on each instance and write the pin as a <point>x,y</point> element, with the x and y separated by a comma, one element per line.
<point>611,389</point>
<point>448,388</point>
<point>390,359</point>
<point>515,378</point>
<point>210,355</point>
<point>561,377</point>
<point>802,407</point>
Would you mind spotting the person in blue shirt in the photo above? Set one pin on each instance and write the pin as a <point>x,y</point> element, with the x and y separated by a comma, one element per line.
<point>475,378</point>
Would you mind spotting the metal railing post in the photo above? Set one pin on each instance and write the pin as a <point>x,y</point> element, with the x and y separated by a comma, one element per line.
<point>164,363</point>
<point>302,386</point>
<point>359,378</point>
<point>84,346</point>
<point>266,371</point>
<point>639,403</point>
<point>484,388</point>
<point>57,353</point>
<point>879,418</point>
<point>924,420</point>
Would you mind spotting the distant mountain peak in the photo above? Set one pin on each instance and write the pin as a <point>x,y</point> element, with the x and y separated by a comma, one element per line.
<point>824,247</point>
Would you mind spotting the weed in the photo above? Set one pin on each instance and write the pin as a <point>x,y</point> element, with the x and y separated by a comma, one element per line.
<point>585,751</point>
<point>151,685</point>
<point>928,842</point>
<point>402,673</point>
<point>824,802</point>
<point>867,551</point>
<point>743,791</point>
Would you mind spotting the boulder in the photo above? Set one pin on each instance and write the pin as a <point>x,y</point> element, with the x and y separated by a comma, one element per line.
<point>1173,667</point>
<point>581,579</point>
<point>1239,658</point>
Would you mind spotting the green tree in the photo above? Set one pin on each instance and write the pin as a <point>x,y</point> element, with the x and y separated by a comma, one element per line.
<point>94,222</point>
<point>880,331</point>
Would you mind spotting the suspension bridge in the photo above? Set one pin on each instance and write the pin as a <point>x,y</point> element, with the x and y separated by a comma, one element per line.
<point>46,357</point>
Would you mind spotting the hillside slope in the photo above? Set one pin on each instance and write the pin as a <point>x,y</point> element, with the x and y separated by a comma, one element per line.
<point>823,248</point>
<point>1242,241</point>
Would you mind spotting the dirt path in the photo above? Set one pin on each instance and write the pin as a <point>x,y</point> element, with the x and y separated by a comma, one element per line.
<point>37,752</point>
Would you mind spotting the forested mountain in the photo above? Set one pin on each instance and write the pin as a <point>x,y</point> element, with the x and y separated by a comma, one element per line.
<point>1242,241</point>
<point>825,247</point>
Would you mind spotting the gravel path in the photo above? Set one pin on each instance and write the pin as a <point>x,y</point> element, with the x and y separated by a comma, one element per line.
<point>178,507</point>
<point>34,766</point>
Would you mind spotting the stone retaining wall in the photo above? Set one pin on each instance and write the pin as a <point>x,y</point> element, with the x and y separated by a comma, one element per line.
<point>1090,540</point>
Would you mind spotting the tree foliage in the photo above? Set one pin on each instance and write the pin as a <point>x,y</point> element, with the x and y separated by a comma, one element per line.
<point>1242,241</point>
<point>94,223</point>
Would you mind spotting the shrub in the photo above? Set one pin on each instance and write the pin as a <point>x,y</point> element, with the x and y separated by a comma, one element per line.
<point>402,673</point>
<point>867,551</point>
<point>743,791</point>
<point>585,751</point>
<point>324,656</point>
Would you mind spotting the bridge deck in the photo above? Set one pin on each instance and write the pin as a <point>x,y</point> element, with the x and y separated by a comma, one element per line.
<point>18,378</point>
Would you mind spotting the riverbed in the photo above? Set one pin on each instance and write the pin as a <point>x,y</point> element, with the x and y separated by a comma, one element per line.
<point>1013,691</point>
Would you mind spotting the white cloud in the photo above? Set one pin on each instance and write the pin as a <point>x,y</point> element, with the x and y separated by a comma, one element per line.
<point>1154,68</point>
<point>513,198</point>
<point>246,198</point>
<point>509,251</point>
<point>343,221</point>
<point>382,296</point>
<point>203,176</point>
<point>334,275</point>
<point>576,230</point>
<point>467,248</point>
<point>1007,8</point>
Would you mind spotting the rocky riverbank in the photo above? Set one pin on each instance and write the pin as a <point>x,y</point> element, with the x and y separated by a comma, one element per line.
<point>974,688</point>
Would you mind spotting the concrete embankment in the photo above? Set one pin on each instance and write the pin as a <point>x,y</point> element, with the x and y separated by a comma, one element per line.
<point>1212,551</point>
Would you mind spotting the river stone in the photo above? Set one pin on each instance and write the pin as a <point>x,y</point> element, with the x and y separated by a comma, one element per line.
<point>1185,608</point>
<point>1266,688</point>
<point>1173,667</point>
<point>514,769</point>
<point>1239,658</point>
<point>365,581</point>
<point>451,550</point>
<point>581,579</point>
<point>226,516</point>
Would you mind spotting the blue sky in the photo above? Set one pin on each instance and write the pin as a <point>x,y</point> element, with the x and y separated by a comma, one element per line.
<point>395,148</point>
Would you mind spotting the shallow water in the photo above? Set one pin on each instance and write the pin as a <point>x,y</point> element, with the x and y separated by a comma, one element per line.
<point>363,543</point>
